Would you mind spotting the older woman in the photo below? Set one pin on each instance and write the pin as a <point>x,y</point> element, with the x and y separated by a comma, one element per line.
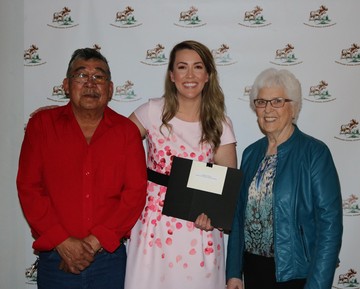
<point>287,229</point>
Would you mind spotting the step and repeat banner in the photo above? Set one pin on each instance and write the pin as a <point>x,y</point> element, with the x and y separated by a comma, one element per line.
<point>319,41</point>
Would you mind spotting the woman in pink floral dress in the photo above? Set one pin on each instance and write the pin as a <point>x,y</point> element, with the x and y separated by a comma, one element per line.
<point>188,121</point>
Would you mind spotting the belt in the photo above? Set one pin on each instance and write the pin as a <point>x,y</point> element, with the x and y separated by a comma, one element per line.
<point>158,178</point>
<point>102,250</point>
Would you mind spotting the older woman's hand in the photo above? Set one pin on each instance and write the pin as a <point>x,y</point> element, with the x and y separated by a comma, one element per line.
<point>234,283</point>
<point>203,222</point>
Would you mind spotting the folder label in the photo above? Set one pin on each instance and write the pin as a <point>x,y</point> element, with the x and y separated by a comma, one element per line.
<point>206,178</point>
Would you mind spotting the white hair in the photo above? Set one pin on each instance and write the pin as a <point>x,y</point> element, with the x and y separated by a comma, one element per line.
<point>283,78</point>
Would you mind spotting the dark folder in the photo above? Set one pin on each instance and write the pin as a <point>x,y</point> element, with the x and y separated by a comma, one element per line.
<point>188,202</point>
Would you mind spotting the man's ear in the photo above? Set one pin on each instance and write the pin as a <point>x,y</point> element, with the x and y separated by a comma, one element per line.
<point>66,86</point>
<point>111,90</point>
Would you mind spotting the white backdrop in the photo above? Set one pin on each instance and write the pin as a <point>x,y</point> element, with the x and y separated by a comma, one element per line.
<point>12,225</point>
<point>318,41</point>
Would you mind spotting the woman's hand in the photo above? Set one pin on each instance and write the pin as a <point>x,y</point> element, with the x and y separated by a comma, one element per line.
<point>203,222</point>
<point>234,283</point>
<point>42,108</point>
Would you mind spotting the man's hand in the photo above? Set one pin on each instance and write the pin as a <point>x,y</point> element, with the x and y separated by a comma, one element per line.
<point>234,283</point>
<point>93,242</point>
<point>76,255</point>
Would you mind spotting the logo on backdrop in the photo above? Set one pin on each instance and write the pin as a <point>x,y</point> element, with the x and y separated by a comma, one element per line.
<point>125,92</point>
<point>246,93</point>
<point>62,19</point>
<point>319,18</point>
<point>347,280</point>
<point>351,206</point>
<point>350,56</point>
<point>58,94</point>
<point>31,273</point>
<point>254,18</point>
<point>32,57</point>
<point>97,47</point>
<point>125,18</point>
<point>319,93</point>
<point>155,56</point>
<point>222,56</point>
<point>349,131</point>
<point>286,56</point>
<point>189,18</point>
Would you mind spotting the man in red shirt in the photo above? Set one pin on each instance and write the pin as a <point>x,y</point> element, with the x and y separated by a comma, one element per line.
<point>82,181</point>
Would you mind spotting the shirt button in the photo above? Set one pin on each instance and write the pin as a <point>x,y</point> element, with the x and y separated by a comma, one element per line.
<point>87,173</point>
<point>87,196</point>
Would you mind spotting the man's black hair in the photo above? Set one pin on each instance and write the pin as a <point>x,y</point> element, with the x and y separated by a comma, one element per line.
<point>86,54</point>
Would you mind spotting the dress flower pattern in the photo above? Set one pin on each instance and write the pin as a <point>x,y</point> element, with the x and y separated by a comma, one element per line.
<point>165,252</point>
<point>259,212</point>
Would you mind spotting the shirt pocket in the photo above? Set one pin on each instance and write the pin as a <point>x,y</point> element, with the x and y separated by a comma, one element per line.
<point>110,179</point>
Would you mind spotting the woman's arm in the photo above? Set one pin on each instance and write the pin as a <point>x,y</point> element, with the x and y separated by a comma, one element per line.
<point>135,120</point>
<point>226,156</point>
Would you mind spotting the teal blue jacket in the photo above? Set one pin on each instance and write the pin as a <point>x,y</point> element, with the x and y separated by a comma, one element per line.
<point>307,210</point>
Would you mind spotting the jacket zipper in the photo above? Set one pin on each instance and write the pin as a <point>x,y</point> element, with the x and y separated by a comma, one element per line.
<point>304,243</point>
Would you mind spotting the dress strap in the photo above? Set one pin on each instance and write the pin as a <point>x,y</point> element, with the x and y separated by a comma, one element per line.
<point>158,178</point>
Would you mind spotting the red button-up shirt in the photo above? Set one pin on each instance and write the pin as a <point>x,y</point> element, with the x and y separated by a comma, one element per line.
<point>68,187</point>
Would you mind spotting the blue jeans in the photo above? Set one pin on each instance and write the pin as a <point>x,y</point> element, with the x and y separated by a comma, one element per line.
<point>107,271</point>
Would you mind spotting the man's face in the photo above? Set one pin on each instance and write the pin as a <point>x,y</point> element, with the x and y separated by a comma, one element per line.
<point>88,87</point>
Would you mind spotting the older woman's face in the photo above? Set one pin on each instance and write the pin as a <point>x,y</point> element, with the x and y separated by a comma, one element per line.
<point>274,121</point>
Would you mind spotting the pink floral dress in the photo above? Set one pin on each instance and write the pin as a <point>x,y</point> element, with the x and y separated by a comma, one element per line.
<point>166,252</point>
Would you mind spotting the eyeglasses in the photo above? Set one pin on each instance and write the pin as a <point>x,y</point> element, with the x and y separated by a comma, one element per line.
<point>84,77</point>
<point>275,102</point>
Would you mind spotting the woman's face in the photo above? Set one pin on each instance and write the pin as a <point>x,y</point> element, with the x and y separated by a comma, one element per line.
<point>273,121</point>
<point>189,74</point>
